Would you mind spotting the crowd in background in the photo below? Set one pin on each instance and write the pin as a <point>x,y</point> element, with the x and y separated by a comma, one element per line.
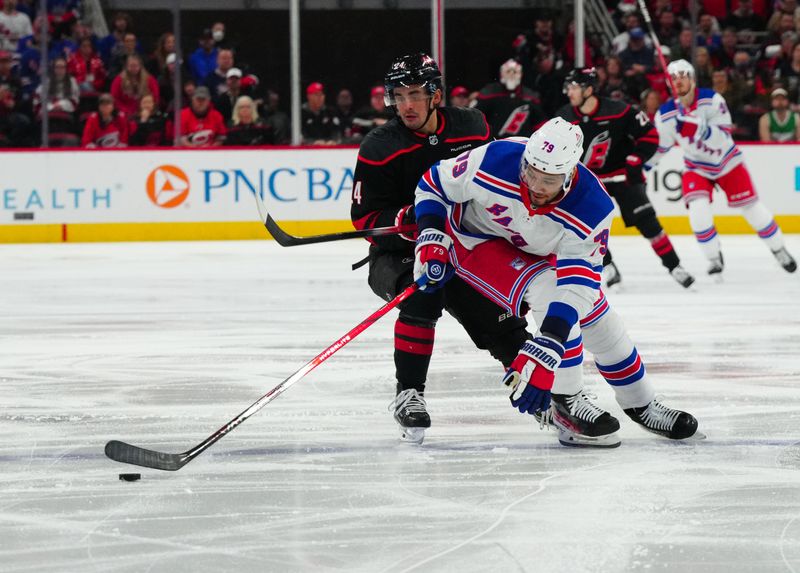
<point>113,92</point>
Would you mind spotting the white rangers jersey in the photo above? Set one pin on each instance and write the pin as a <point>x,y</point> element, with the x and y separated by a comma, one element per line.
<point>713,152</point>
<point>479,194</point>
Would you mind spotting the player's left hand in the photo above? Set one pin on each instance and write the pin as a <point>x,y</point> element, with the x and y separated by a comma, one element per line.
<point>532,374</point>
<point>633,170</point>
<point>432,259</point>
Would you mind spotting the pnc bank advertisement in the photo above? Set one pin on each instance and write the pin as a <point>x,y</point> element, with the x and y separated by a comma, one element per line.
<point>297,185</point>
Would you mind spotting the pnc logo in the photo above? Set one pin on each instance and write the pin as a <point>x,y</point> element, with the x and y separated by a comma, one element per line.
<point>167,186</point>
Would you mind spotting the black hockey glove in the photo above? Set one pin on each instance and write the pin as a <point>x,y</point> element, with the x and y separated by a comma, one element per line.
<point>633,170</point>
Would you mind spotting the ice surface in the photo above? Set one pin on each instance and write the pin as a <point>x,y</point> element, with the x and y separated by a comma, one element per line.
<point>159,344</point>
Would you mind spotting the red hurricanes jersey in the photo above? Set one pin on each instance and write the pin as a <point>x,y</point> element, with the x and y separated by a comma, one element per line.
<point>202,131</point>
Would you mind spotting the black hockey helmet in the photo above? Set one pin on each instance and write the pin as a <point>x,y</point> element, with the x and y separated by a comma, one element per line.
<point>584,77</point>
<point>410,70</point>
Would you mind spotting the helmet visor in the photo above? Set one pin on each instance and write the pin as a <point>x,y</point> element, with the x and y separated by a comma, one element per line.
<point>402,94</point>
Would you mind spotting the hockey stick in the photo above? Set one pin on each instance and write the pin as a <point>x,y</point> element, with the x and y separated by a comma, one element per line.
<point>284,239</point>
<point>657,44</point>
<point>129,454</point>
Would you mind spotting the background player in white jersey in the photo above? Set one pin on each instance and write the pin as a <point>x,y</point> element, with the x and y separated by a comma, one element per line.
<point>523,221</point>
<point>700,123</point>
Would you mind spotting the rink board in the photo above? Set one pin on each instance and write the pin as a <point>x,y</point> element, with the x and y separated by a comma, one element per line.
<point>166,194</point>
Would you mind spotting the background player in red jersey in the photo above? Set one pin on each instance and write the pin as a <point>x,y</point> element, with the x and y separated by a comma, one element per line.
<point>617,141</point>
<point>511,108</point>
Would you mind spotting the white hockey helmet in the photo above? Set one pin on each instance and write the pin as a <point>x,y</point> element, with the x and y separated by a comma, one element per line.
<point>555,148</point>
<point>511,74</point>
<point>679,68</point>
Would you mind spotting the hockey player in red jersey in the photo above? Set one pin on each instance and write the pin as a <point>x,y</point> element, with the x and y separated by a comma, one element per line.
<point>391,159</point>
<point>700,124</point>
<point>618,140</point>
<point>525,223</point>
<point>510,107</point>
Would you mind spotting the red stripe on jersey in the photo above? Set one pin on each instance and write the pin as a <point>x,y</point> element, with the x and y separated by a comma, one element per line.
<point>367,221</point>
<point>577,222</point>
<point>392,156</point>
<point>483,137</point>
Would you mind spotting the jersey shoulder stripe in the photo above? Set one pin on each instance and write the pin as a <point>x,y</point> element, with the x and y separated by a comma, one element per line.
<point>502,158</point>
<point>585,206</point>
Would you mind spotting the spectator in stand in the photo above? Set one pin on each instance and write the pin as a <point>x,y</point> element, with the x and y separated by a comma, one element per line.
<point>278,119</point>
<point>620,43</point>
<point>459,96</point>
<point>782,7</point>
<point>569,49</point>
<point>788,73</point>
<point>744,18</point>
<point>217,81</point>
<point>131,84</point>
<point>166,83</point>
<point>63,14</point>
<point>225,102</point>
<point>246,127</point>
<point>615,86</point>
<point>218,34</point>
<point>708,33</point>
<point>107,127</point>
<point>121,25</point>
<point>344,110</point>
<point>541,42</point>
<point>657,78</point>
<point>730,91</point>
<point>637,61</point>
<point>203,60</point>
<point>87,68</point>
<point>149,127</point>
<point>119,55</point>
<point>703,68</point>
<point>15,126</point>
<point>668,28</point>
<point>780,124</point>
<point>201,124</point>
<point>321,125</point>
<point>784,27</point>
<point>548,83</point>
<point>60,104</point>
<point>723,58</point>
<point>157,62</point>
<point>651,101</point>
<point>682,50</point>
<point>374,115</point>
<point>14,26</point>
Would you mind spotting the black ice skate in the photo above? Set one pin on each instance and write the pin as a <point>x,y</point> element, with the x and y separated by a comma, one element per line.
<point>682,276</point>
<point>717,265</point>
<point>611,274</point>
<point>785,260</point>
<point>659,419</point>
<point>409,409</point>
<point>583,424</point>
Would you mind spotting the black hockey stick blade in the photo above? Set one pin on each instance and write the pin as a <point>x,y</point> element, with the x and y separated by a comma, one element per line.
<point>128,454</point>
<point>284,239</point>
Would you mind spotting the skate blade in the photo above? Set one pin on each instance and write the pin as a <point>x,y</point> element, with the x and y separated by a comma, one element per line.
<point>573,440</point>
<point>717,278</point>
<point>412,435</point>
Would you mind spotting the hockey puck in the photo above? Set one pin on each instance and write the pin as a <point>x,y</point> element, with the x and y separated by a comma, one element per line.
<point>130,477</point>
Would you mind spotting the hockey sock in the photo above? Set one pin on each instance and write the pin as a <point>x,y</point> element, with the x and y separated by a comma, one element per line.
<point>664,249</point>
<point>618,361</point>
<point>569,375</point>
<point>413,346</point>
<point>762,222</point>
<point>701,220</point>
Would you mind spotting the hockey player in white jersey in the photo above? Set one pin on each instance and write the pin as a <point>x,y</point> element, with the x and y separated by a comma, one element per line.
<point>700,124</point>
<point>524,223</point>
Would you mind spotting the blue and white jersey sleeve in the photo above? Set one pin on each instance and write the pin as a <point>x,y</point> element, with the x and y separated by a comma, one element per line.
<point>446,183</point>
<point>720,124</point>
<point>666,139</point>
<point>579,267</point>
